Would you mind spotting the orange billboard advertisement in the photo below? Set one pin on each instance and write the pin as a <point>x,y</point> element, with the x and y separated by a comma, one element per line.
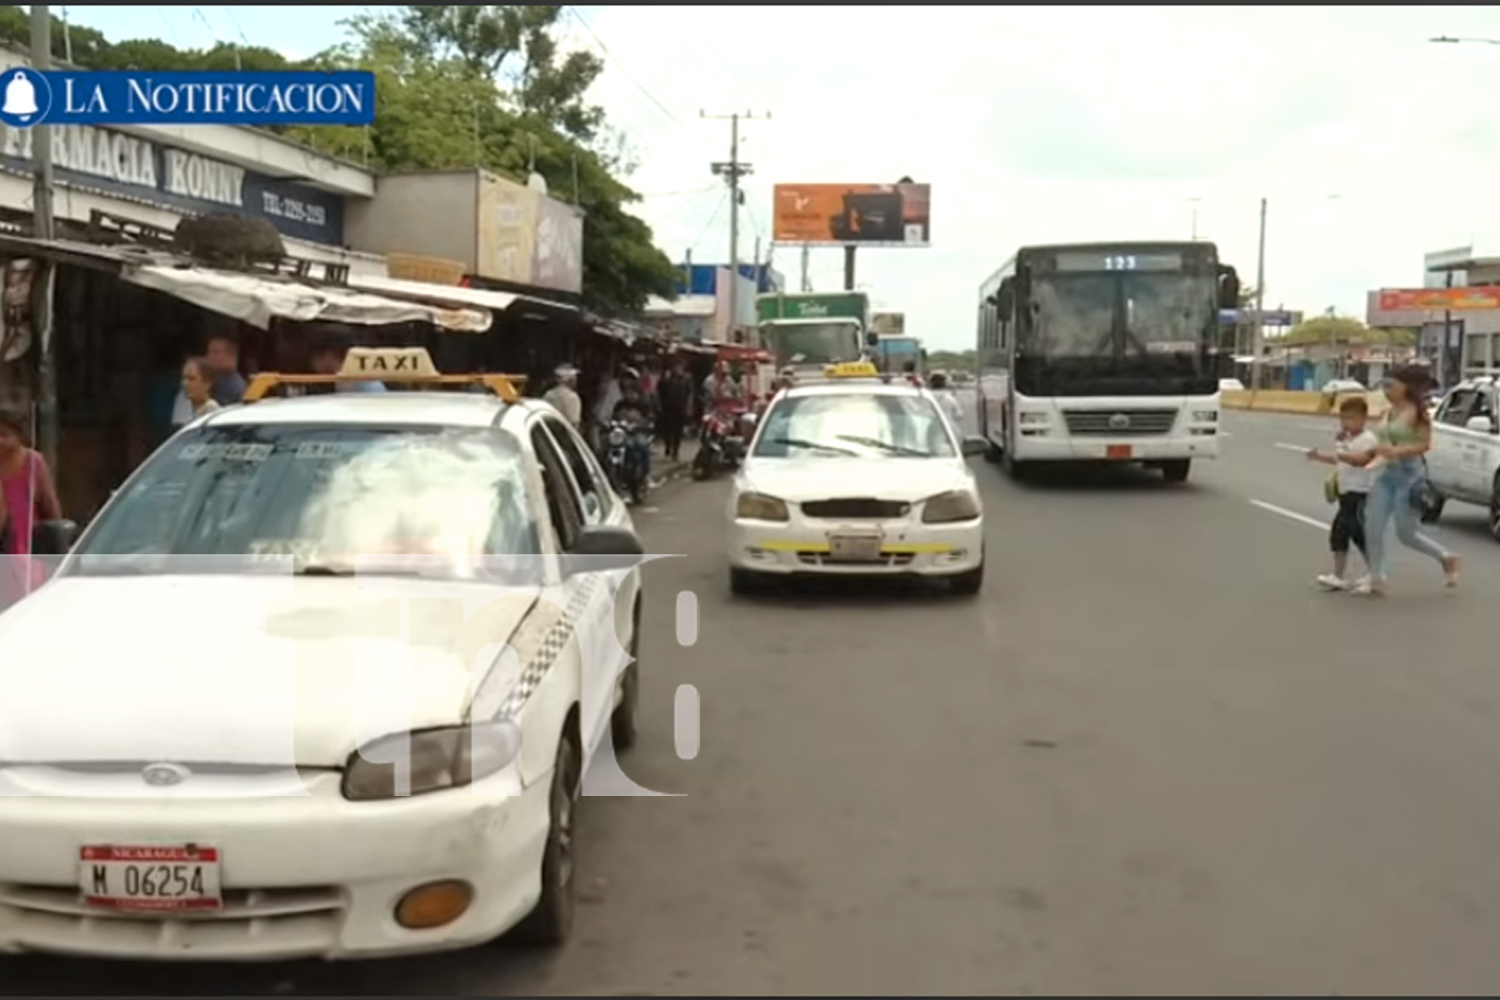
<point>1447,299</point>
<point>886,215</point>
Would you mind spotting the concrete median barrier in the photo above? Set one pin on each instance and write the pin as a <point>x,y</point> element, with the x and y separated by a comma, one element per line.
<point>1301,402</point>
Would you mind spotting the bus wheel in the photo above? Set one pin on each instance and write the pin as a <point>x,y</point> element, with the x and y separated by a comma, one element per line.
<point>992,452</point>
<point>1176,470</point>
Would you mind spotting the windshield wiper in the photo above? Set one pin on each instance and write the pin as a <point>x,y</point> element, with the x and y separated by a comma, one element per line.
<point>894,449</point>
<point>814,445</point>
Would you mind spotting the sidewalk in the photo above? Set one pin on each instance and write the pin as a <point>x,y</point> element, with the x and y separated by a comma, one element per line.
<point>663,471</point>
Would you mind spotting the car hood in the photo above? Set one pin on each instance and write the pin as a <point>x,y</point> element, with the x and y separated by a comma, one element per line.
<point>237,670</point>
<point>801,479</point>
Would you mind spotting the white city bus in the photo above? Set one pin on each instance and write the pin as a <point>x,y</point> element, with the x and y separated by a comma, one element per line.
<point>1106,352</point>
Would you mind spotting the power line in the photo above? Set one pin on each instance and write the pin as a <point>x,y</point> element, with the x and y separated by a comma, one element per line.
<point>685,205</point>
<point>723,200</point>
<point>583,21</point>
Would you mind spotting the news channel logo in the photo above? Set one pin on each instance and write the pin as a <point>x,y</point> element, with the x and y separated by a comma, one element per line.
<point>29,98</point>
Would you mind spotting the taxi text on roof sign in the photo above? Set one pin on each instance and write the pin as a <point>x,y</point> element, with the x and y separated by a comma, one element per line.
<point>852,369</point>
<point>399,365</point>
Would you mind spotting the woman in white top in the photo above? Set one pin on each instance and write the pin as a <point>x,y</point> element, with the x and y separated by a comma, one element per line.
<point>198,378</point>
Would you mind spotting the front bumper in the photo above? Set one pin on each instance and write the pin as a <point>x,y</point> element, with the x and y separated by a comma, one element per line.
<point>909,548</point>
<point>1052,446</point>
<point>304,876</point>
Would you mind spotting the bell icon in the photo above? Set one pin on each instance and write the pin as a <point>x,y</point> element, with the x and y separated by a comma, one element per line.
<point>20,98</point>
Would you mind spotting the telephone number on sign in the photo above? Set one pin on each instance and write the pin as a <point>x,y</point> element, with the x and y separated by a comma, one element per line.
<point>291,208</point>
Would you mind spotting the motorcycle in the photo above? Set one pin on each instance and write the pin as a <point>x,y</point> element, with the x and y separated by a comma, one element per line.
<point>721,444</point>
<point>628,458</point>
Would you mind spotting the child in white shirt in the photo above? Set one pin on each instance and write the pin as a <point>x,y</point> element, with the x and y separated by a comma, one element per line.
<point>1352,456</point>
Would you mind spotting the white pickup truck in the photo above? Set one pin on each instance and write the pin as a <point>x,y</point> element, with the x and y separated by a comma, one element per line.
<point>1464,463</point>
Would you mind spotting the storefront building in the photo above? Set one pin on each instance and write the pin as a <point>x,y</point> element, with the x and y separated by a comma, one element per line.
<point>160,174</point>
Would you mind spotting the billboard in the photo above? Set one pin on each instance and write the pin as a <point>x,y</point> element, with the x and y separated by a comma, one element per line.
<point>888,324</point>
<point>528,238</point>
<point>882,215</point>
<point>1450,299</point>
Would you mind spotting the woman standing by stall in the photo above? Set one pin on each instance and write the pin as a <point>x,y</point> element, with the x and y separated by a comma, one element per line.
<point>26,497</point>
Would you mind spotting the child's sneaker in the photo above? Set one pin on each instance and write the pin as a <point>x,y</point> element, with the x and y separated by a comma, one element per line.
<point>1330,582</point>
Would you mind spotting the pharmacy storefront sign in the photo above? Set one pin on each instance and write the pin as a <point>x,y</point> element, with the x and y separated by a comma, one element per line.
<point>115,163</point>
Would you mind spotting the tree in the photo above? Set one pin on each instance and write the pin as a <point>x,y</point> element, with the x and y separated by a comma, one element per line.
<point>1327,330</point>
<point>436,114</point>
<point>514,45</point>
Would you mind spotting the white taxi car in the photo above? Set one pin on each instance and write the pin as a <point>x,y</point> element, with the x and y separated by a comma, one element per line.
<point>856,475</point>
<point>203,761</point>
<point>1463,464</point>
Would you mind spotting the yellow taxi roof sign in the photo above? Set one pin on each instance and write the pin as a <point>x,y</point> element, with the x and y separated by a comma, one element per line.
<point>852,369</point>
<point>388,363</point>
<point>395,365</point>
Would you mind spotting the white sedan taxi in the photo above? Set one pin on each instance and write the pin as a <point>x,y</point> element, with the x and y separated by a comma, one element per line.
<point>277,702</point>
<point>856,475</point>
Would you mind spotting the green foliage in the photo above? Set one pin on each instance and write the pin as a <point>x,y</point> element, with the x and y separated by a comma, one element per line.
<point>456,88</point>
<point>1342,330</point>
<point>952,361</point>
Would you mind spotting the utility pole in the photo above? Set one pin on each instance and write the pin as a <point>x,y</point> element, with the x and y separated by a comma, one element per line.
<point>732,171</point>
<point>1257,331</point>
<point>806,268</point>
<point>45,277</point>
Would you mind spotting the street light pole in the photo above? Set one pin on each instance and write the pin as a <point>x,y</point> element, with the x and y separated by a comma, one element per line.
<point>1257,328</point>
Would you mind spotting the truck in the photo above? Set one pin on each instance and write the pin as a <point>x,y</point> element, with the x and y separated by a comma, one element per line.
<point>810,330</point>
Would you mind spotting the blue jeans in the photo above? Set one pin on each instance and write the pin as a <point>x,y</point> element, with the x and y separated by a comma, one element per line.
<point>1390,500</point>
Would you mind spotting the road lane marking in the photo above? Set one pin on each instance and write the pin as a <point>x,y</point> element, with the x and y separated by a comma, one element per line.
<point>1292,514</point>
<point>1287,446</point>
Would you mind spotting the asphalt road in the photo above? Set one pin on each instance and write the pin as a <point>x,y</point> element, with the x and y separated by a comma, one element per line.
<point>1150,758</point>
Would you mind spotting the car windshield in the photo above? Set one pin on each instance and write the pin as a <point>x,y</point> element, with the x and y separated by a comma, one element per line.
<point>322,495</point>
<point>854,425</point>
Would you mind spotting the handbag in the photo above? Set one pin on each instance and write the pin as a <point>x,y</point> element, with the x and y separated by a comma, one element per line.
<point>1331,487</point>
<point>1420,494</point>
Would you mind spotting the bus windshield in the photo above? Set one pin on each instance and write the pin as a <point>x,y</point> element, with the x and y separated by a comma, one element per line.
<point>812,343</point>
<point>1095,315</point>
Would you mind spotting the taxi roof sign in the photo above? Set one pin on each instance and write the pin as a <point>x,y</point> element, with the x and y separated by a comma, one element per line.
<point>382,363</point>
<point>852,369</point>
<point>399,365</point>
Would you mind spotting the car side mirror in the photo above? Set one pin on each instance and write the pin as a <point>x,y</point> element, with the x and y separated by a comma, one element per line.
<point>975,446</point>
<point>605,548</point>
<point>1229,288</point>
<point>53,538</point>
<point>872,339</point>
<point>1483,425</point>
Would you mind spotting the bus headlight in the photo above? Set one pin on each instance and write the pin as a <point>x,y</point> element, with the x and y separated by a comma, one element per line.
<point>759,507</point>
<point>1035,418</point>
<point>946,508</point>
<point>1206,416</point>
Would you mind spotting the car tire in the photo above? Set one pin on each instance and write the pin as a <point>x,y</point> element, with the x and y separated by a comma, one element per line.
<point>623,727</point>
<point>969,584</point>
<point>551,920</point>
<point>1177,470</point>
<point>1495,508</point>
<point>743,582</point>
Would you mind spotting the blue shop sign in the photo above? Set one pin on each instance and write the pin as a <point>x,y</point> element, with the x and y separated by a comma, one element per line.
<point>174,178</point>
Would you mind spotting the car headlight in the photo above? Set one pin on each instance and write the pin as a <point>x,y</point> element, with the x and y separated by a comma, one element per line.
<point>1033,418</point>
<point>1206,416</point>
<point>946,507</point>
<point>759,507</point>
<point>429,761</point>
<point>617,435</point>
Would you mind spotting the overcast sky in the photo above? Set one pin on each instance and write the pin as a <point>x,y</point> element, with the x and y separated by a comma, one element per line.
<point>1037,124</point>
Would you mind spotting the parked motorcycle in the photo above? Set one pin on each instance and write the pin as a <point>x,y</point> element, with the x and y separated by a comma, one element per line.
<point>627,458</point>
<point>721,444</point>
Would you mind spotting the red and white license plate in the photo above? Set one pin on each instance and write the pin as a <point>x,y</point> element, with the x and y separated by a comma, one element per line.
<point>1118,451</point>
<point>151,879</point>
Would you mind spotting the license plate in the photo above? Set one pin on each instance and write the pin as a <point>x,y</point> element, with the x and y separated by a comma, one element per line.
<point>153,879</point>
<point>855,548</point>
<point>1118,451</point>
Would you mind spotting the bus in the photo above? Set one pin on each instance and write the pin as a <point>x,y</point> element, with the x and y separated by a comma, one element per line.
<point>895,350</point>
<point>1103,352</point>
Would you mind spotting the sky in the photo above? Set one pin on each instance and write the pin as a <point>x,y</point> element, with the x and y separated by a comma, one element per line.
<point>1369,145</point>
